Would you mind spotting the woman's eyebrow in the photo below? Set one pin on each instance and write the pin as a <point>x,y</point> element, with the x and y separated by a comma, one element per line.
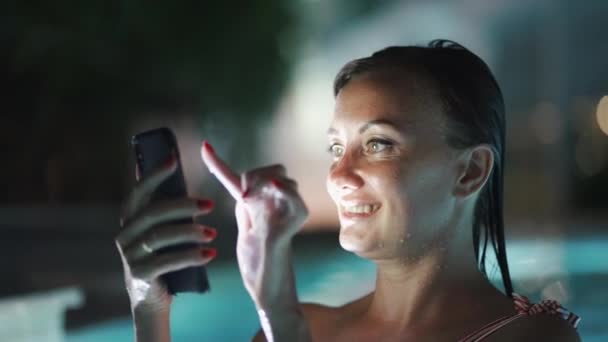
<point>377,122</point>
<point>369,124</point>
<point>332,131</point>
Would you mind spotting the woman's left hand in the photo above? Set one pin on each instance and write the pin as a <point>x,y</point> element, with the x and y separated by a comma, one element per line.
<point>269,212</point>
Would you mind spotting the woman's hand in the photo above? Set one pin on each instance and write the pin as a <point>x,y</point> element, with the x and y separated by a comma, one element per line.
<point>269,212</point>
<point>147,228</point>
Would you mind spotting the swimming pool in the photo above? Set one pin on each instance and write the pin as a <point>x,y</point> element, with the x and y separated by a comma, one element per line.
<point>574,272</point>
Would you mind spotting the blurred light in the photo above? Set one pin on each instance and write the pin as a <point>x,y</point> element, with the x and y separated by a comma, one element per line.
<point>546,123</point>
<point>298,138</point>
<point>590,150</point>
<point>557,290</point>
<point>313,104</point>
<point>602,114</point>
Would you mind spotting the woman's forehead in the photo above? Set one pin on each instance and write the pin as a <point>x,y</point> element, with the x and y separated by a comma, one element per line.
<point>398,98</point>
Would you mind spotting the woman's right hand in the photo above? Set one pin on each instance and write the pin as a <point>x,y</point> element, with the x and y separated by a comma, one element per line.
<point>148,227</point>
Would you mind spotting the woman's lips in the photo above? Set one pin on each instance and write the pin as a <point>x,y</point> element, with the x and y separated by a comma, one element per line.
<point>359,211</point>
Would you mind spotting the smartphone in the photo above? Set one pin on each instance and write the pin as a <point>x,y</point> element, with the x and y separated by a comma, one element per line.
<point>152,148</point>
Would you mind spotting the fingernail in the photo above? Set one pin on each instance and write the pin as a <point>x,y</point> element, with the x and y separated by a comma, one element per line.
<point>277,184</point>
<point>210,233</point>
<point>209,253</point>
<point>205,204</point>
<point>245,194</point>
<point>169,162</point>
<point>208,146</point>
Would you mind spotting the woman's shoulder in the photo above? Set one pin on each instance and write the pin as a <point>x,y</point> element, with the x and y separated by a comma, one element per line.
<point>317,314</point>
<point>322,319</point>
<point>346,310</point>
<point>542,327</point>
<point>326,322</point>
<point>547,320</point>
<point>322,316</point>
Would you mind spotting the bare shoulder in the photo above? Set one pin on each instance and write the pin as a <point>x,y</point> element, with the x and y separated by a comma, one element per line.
<point>541,327</point>
<point>317,315</point>
<point>316,311</point>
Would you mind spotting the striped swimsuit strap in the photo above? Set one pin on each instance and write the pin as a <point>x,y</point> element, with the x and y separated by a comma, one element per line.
<point>523,308</point>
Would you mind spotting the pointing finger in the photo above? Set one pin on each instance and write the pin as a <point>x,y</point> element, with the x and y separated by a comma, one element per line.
<point>222,172</point>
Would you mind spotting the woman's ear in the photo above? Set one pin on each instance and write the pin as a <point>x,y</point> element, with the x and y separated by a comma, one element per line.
<point>475,167</point>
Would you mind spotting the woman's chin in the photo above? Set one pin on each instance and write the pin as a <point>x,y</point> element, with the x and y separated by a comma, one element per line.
<point>355,240</point>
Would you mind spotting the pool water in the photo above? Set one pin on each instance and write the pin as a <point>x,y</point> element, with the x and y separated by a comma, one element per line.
<point>572,272</point>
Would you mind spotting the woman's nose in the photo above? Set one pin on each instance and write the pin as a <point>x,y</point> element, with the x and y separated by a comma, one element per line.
<point>344,175</point>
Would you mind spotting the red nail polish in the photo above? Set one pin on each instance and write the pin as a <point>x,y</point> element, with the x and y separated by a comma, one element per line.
<point>208,146</point>
<point>209,253</point>
<point>277,184</point>
<point>169,162</point>
<point>205,204</point>
<point>245,193</point>
<point>210,233</point>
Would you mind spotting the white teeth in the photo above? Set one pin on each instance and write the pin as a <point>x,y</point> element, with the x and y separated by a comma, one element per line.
<point>362,209</point>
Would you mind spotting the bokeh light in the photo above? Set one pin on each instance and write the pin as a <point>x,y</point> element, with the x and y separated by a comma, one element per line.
<point>602,114</point>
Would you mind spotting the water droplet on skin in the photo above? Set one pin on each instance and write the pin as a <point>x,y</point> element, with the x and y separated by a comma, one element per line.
<point>380,245</point>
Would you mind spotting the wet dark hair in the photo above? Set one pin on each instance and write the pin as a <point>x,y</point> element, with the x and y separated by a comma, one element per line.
<point>474,108</point>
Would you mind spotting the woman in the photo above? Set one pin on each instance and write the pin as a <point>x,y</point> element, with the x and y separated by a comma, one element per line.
<point>417,141</point>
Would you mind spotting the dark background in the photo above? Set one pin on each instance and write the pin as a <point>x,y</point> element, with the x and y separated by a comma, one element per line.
<point>77,79</point>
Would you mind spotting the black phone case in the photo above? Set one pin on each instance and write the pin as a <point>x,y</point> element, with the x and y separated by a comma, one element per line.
<point>152,149</point>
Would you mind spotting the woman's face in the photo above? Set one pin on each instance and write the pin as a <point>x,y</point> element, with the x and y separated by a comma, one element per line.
<point>392,174</point>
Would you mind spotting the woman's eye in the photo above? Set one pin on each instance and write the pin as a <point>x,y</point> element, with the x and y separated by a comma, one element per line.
<point>336,150</point>
<point>378,145</point>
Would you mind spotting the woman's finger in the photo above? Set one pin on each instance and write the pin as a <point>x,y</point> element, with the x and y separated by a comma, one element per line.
<point>169,261</point>
<point>280,197</point>
<point>285,191</point>
<point>222,171</point>
<point>252,178</point>
<point>146,186</point>
<point>161,212</point>
<point>286,184</point>
<point>166,236</point>
<point>283,186</point>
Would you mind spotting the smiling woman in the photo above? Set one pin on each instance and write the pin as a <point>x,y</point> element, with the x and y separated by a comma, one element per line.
<point>417,146</point>
<point>427,105</point>
<point>417,141</point>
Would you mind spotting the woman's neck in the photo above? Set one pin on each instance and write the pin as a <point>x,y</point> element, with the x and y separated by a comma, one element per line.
<point>431,290</point>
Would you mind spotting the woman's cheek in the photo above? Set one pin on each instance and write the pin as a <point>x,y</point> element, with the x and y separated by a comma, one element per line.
<point>388,174</point>
<point>390,184</point>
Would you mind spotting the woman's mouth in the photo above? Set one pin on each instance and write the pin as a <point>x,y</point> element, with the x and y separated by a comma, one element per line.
<point>358,211</point>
